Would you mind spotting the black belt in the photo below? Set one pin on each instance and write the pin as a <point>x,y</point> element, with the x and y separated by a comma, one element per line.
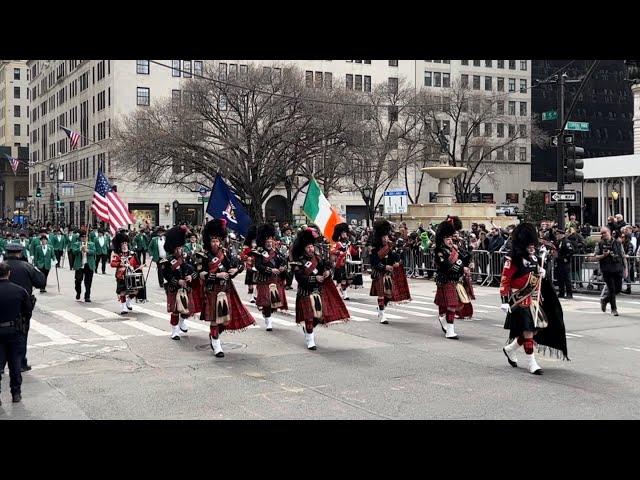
<point>8,324</point>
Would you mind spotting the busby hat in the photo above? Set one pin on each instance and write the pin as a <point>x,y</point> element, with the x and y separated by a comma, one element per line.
<point>340,227</point>
<point>303,238</point>
<point>381,227</point>
<point>174,238</point>
<point>457,223</point>
<point>118,240</point>
<point>445,229</point>
<point>251,235</point>
<point>523,235</point>
<point>264,231</point>
<point>216,228</point>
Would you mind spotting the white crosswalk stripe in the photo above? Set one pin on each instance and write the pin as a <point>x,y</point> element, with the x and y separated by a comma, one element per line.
<point>105,333</point>
<point>146,328</point>
<point>56,337</point>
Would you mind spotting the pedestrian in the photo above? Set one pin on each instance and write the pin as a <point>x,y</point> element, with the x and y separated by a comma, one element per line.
<point>613,265</point>
<point>101,243</point>
<point>16,307</point>
<point>158,252</point>
<point>28,277</point>
<point>525,292</point>
<point>44,258</point>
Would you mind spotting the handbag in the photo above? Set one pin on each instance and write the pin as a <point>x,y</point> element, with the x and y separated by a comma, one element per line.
<point>182,301</point>
<point>274,296</point>
<point>462,293</point>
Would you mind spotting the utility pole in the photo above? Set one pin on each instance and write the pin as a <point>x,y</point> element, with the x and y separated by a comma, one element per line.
<point>560,150</point>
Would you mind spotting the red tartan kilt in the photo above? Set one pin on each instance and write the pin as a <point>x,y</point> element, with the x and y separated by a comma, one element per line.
<point>447,296</point>
<point>196,295</point>
<point>400,285</point>
<point>304,311</point>
<point>377,287</point>
<point>264,299</point>
<point>333,307</point>
<point>171,301</point>
<point>466,311</point>
<point>241,318</point>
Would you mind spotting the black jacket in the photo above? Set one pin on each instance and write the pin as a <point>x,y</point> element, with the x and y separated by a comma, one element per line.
<point>15,301</point>
<point>25,274</point>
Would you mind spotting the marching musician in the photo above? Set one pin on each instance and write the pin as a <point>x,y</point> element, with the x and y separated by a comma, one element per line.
<point>525,291</point>
<point>271,267</point>
<point>248,257</point>
<point>221,305</point>
<point>177,273</point>
<point>342,247</point>
<point>84,263</point>
<point>44,258</point>
<point>124,261</point>
<point>286,240</point>
<point>388,275</point>
<point>450,265</point>
<point>464,249</point>
<point>317,300</point>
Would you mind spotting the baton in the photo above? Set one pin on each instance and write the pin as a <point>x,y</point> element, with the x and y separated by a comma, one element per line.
<point>57,279</point>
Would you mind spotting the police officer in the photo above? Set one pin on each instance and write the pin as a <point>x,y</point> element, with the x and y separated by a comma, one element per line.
<point>28,277</point>
<point>16,306</point>
<point>565,250</point>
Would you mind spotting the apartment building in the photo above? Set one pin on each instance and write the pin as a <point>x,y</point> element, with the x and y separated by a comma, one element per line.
<point>14,137</point>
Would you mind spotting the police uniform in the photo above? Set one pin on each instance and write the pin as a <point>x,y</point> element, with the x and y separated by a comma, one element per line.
<point>28,277</point>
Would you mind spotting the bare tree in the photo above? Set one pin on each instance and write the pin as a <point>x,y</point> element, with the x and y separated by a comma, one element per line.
<point>484,129</point>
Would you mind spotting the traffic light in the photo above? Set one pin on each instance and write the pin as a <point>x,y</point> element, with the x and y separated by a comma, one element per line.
<point>58,201</point>
<point>573,163</point>
<point>38,192</point>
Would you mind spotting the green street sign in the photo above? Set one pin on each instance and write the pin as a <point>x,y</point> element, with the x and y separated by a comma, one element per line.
<point>578,126</point>
<point>203,199</point>
<point>549,115</point>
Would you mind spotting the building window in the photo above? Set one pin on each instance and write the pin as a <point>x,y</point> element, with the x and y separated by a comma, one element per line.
<point>476,63</point>
<point>512,154</point>
<point>16,92</point>
<point>512,84</point>
<point>437,79</point>
<point>523,154</point>
<point>476,130</point>
<point>523,85</point>
<point>500,130</point>
<point>464,128</point>
<point>476,82</point>
<point>446,80</point>
<point>328,80</point>
<point>393,63</point>
<point>16,74</point>
<point>367,83</point>
<point>186,66</point>
<point>175,98</point>
<point>142,67</point>
<point>487,129</point>
<point>500,153</point>
<point>488,83</point>
<point>143,96</point>
<point>464,80</point>
<point>501,65</point>
<point>523,109</point>
<point>318,78</point>
<point>358,83</point>
<point>16,111</point>
<point>244,70</point>
<point>393,113</point>
<point>501,84</point>
<point>464,62</point>
<point>197,67</point>
<point>175,70</point>
<point>428,76</point>
<point>512,197</point>
<point>393,85</point>
<point>233,70</point>
<point>222,71</point>
<point>488,63</point>
<point>308,76</point>
<point>349,83</point>
<point>16,129</point>
<point>523,64</point>
<point>512,64</point>
<point>367,62</point>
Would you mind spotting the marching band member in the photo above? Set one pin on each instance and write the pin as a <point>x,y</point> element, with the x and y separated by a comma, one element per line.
<point>222,306</point>
<point>317,300</point>
<point>525,291</point>
<point>467,308</point>
<point>44,258</point>
<point>343,246</point>
<point>450,264</point>
<point>178,273</point>
<point>271,266</point>
<point>123,260</point>
<point>388,275</point>
<point>248,257</point>
<point>84,263</point>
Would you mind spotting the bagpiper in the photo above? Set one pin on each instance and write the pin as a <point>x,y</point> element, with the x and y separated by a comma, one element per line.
<point>342,249</point>
<point>534,313</point>
<point>221,305</point>
<point>248,257</point>
<point>317,301</point>
<point>125,262</point>
<point>388,275</point>
<point>177,273</point>
<point>271,267</point>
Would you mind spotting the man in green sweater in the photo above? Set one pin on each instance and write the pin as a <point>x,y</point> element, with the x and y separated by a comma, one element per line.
<point>140,246</point>
<point>44,258</point>
<point>101,244</point>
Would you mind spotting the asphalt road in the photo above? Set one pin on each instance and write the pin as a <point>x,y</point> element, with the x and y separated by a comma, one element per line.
<point>89,362</point>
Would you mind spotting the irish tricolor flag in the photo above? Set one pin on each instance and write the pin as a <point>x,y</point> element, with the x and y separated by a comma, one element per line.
<point>319,210</point>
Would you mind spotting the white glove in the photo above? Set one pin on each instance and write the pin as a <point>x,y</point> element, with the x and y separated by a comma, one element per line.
<point>542,272</point>
<point>505,308</point>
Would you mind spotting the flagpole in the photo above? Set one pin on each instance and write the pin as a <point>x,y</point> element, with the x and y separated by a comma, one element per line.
<point>84,136</point>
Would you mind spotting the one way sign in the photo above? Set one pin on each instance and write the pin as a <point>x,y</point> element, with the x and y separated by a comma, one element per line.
<point>558,196</point>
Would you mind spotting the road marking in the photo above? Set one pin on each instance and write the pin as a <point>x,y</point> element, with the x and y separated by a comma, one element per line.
<point>105,313</point>
<point>351,317</point>
<point>92,327</point>
<point>367,312</point>
<point>487,306</point>
<point>634,349</point>
<point>56,337</point>
<point>146,328</point>
<point>497,325</point>
<point>414,307</point>
<point>571,335</point>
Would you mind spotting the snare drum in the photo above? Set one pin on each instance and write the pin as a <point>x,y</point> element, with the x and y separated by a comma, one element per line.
<point>133,281</point>
<point>353,268</point>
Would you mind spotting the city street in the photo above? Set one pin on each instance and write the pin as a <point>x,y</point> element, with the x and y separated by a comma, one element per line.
<point>89,362</point>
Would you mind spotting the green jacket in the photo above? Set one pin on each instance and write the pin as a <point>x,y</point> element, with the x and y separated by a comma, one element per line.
<point>55,243</point>
<point>188,247</point>
<point>93,234</point>
<point>104,250</point>
<point>77,256</point>
<point>41,260</point>
<point>140,243</point>
<point>69,242</point>
<point>3,245</point>
<point>33,243</point>
<point>154,250</point>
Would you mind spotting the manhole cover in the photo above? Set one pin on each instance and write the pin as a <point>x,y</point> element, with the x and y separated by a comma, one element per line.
<point>225,346</point>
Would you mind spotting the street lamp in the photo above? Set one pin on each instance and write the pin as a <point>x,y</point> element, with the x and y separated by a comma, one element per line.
<point>176,204</point>
<point>366,194</point>
<point>167,208</point>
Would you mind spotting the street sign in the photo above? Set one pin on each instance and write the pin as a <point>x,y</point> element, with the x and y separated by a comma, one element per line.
<point>549,115</point>
<point>203,191</point>
<point>578,126</point>
<point>67,189</point>
<point>563,196</point>
<point>52,172</point>
<point>203,199</point>
<point>395,201</point>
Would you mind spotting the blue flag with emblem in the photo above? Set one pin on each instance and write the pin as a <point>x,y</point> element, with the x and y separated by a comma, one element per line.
<point>224,204</point>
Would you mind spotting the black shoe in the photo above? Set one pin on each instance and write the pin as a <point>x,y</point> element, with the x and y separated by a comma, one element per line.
<point>42,290</point>
<point>220,354</point>
<point>614,313</point>
<point>569,297</point>
<point>25,368</point>
<point>87,300</point>
<point>77,296</point>
<point>628,291</point>
<point>16,397</point>
<point>603,304</point>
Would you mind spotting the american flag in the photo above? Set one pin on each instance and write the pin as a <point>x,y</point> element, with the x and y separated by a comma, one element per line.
<point>108,206</point>
<point>15,163</point>
<point>74,138</point>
